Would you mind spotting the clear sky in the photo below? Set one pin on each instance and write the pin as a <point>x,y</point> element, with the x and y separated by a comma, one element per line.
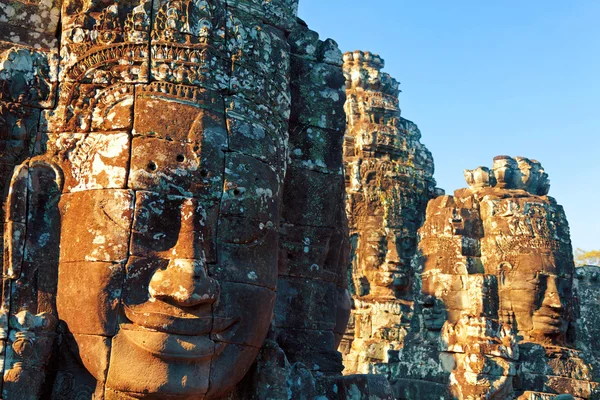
<point>483,78</point>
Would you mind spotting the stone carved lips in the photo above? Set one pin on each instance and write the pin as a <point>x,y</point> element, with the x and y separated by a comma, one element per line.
<point>166,343</point>
<point>549,321</point>
<point>181,325</point>
<point>169,296</point>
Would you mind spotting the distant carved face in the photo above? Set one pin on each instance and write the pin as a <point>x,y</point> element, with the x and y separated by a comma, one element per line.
<point>540,302</point>
<point>533,266</point>
<point>379,258</point>
<point>179,267</point>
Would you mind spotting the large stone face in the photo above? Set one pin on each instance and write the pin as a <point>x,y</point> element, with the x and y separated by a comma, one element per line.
<point>389,179</point>
<point>175,225</point>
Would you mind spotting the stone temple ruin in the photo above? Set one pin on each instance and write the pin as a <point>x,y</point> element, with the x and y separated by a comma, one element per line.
<point>203,200</point>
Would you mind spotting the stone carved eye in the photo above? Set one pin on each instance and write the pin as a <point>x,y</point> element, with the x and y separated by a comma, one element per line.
<point>159,220</point>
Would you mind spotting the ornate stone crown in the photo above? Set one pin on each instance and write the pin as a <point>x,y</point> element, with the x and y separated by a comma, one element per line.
<point>186,41</point>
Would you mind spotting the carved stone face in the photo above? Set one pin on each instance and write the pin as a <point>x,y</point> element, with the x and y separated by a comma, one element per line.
<point>533,267</point>
<point>170,208</point>
<point>539,301</point>
<point>173,166</point>
<point>379,257</point>
<point>178,267</point>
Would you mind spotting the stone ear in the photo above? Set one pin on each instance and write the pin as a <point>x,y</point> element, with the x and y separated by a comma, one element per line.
<point>15,222</point>
<point>31,237</point>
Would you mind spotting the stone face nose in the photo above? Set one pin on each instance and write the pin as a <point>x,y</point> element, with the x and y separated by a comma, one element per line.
<point>392,256</point>
<point>185,282</point>
<point>552,296</point>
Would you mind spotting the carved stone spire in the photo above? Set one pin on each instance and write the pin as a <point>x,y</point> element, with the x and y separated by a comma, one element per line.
<point>389,180</point>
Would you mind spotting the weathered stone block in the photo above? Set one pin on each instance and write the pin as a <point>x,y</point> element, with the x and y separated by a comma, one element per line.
<point>298,298</point>
<point>38,16</point>
<point>105,43</point>
<point>316,149</point>
<point>19,134</point>
<point>246,252</point>
<point>28,76</point>
<point>317,87</point>
<point>311,198</point>
<point>176,168</point>
<point>196,116</point>
<point>94,161</point>
<point>100,230</point>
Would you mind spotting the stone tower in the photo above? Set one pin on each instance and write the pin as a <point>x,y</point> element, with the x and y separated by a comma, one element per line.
<point>389,180</point>
<point>496,312</point>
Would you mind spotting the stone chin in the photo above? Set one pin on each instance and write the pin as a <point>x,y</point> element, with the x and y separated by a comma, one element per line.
<point>152,365</point>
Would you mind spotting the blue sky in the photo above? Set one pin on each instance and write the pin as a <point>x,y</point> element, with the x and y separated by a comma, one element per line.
<point>484,78</point>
